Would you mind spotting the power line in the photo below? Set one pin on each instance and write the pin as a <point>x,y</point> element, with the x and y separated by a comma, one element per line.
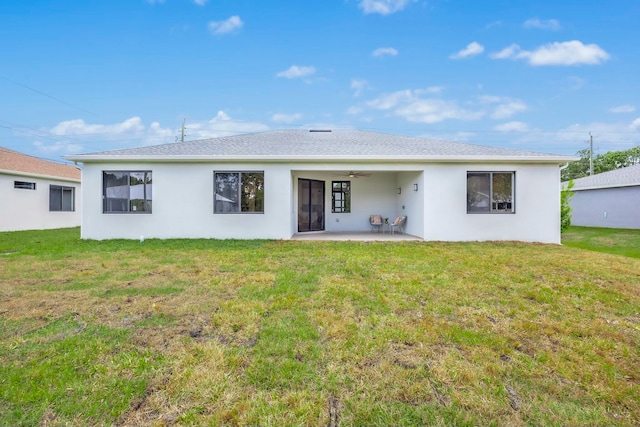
<point>47,95</point>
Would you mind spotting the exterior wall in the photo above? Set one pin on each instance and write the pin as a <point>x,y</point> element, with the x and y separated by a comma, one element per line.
<point>183,202</point>
<point>29,209</point>
<point>606,207</point>
<point>410,202</point>
<point>537,205</point>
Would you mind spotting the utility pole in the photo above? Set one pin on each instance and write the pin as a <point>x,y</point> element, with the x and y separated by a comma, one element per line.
<point>182,139</point>
<point>590,154</point>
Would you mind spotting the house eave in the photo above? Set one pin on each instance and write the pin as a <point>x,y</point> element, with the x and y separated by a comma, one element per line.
<point>38,175</point>
<point>88,158</point>
<point>604,187</point>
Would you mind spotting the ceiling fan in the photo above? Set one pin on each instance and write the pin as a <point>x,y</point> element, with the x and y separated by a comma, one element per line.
<point>353,174</point>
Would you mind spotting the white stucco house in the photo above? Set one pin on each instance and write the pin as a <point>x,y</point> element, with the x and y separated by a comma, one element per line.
<point>276,184</point>
<point>609,199</point>
<point>37,194</point>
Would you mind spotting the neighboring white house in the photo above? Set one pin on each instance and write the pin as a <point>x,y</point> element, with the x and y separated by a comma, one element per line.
<point>37,194</point>
<point>609,199</point>
<point>272,185</point>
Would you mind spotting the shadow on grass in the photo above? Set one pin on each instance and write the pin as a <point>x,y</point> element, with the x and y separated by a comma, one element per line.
<point>616,241</point>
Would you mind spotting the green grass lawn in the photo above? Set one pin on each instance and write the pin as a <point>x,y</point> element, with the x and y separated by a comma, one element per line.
<point>611,240</point>
<point>206,332</point>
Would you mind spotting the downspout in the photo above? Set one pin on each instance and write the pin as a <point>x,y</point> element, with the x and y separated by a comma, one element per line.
<point>566,165</point>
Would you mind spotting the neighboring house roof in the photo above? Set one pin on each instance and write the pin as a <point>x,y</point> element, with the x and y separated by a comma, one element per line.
<point>623,177</point>
<point>320,145</point>
<point>14,163</point>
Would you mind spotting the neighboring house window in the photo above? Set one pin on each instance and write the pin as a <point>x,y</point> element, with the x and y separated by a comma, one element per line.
<point>238,192</point>
<point>61,198</point>
<point>491,192</point>
<point>341,196</point>
<point>126,191</point>
<point>24,185</point>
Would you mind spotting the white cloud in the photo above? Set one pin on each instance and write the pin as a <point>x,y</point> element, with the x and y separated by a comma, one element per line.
<point>358,86</point>
<point>573,52</point>
<point>507,52</point>
<point>435,111</point>
<point>391,100</point>
<point>295,72</point>
<point>413,107</point>
<point>421,106</point>
<point>200,2</point>
<point>80,127</point>
<point>383,7</point>
<point>473,48</point>
<point>508,109</point>
<point>623,109</point>
<point>607,136</point>
<point>567,53</point>
<point>78,134</point>
<point>500,107</point>
<point>512,127</point>
<point>81,136</point>
<point>227,26</point>
<point>542,24</point>
<point>222,125</point>
<point>286,118</point>
<point>384,51</point>
<point>58,147</point>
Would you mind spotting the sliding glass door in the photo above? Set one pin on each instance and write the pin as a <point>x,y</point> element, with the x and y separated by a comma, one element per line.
<point>310,205</point>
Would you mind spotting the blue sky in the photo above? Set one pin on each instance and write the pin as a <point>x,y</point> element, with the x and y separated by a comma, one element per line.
<point>86,76</point>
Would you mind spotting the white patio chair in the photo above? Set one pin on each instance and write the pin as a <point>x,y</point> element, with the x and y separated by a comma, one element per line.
<point>398,223</point>
<point>376,222</point>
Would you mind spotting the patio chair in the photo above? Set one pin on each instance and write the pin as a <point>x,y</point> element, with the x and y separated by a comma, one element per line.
<point>398,223</point>
<point>376,222</point>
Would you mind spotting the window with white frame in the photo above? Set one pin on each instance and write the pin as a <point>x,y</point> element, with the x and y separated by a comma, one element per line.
<point>491,192</point>
<point>126,191</point>
<point>61,198</point>
<point>238,192</point>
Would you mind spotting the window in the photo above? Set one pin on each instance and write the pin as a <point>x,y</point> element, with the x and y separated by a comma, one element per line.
<point>490,192</point>
<point>238,192</point>
<point>61,199</point>
<point>341,196</point>
<point>126,191</point>
<point>24,185</point>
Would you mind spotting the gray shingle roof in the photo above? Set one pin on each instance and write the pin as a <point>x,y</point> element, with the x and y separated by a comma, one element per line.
<point>623,177</point>
<point>305,144</point>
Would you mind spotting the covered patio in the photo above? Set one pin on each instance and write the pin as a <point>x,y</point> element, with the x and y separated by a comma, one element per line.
<point>336,204</point>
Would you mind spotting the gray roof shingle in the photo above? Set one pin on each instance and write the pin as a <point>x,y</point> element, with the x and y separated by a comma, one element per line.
<point>624,177</point>
<point>344,144</point>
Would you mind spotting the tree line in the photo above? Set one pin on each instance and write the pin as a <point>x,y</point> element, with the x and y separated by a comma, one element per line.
<point>601,162</point>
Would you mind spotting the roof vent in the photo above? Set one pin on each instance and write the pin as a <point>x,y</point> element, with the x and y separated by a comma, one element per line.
<point>319,130</point>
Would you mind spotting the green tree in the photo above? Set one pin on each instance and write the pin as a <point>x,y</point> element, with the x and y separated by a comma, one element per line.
<point>565,207</point>
<point>601,163</point>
